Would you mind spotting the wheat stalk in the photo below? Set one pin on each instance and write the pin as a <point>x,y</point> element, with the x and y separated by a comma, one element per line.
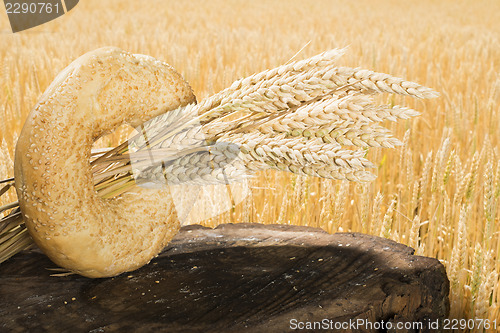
<point>414,206</point>
<point>338,205</point>
<point>424,180</point>
<point>309,117</point>
<point>388,219</point>
<point>413,238</point>
<point>365,208</point>
<point>286,100</point>
<point>376,214</point>
<point>458,254</point>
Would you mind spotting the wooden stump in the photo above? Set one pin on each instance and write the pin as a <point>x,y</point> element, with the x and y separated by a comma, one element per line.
<point>235,278</point>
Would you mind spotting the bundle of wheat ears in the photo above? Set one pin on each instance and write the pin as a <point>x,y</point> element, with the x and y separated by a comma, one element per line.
<point>84,210</point>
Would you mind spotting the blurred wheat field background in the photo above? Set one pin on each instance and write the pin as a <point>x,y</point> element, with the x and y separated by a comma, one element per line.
<point>439,192</point>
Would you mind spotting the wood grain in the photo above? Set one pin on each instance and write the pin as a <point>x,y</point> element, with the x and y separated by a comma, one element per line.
<point>235,278</point>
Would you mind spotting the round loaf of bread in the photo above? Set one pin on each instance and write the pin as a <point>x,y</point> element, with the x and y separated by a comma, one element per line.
<point>67,219</point>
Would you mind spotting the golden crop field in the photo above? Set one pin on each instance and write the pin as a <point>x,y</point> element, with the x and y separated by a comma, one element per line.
<point>439,192</point>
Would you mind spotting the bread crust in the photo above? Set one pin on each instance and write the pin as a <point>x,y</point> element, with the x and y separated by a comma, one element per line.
<point>76,228</point>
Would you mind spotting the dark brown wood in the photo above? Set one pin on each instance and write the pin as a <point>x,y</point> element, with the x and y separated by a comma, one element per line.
<point>235,278</point>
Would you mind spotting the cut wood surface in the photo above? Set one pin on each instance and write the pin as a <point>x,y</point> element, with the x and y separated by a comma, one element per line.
<point>237,277</point>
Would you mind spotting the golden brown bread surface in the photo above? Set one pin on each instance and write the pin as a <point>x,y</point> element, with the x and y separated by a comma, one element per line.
<point>77,229</point>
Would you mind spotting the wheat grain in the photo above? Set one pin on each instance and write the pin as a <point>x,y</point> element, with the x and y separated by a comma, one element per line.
<point>276,92</point>
<point>471,185</point>
<point>338,205</point>
<point>441,158</point>
<point>378,82</point>
<point>388,219</point>
<point>446,221</point>
<point>459,169</point>
<point>413,238</point>
<point>351,109</point>
<point>484,295</point>
<point>273,91</point>
<point>409,166</point>
<point>298,191</point>
<point>461,191</point>
<point>282,212</point>
<point>448,169</point>
<point>326,216</point>
<point>489,204</point>
<point>497,181</point>
<point>247,208</point>
<point>424,180</point>
<point>319,61</point>
<point>365,207</point>
<point>403,151</point>
<point>477,271</point>
<point>458,254</point>
<point>414,207</point>
<point>376,214</point>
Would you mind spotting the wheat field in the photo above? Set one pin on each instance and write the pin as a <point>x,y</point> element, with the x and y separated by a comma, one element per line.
<point>439,192</point>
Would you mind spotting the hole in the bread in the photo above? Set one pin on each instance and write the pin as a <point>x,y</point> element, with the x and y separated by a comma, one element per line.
<point>102,172</point>
<point>121,134</point>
